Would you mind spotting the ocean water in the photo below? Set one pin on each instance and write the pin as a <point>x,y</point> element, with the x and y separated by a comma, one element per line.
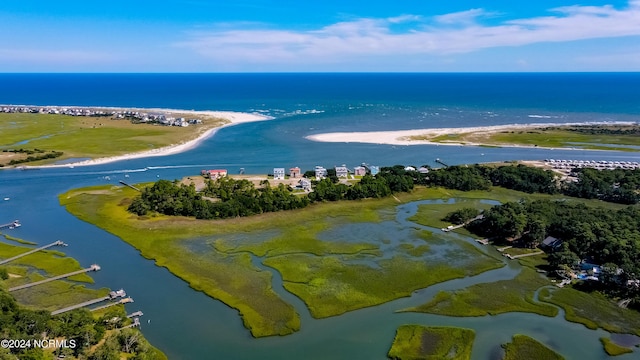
<point>189,325</point>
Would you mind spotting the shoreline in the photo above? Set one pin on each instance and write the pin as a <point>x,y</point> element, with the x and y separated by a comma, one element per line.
<point>401,137</point>
<point>233,117</point>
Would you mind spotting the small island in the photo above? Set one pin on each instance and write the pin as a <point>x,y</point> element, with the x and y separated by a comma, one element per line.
<point>413,342</point>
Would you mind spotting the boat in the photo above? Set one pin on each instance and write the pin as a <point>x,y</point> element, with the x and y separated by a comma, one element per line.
<point>7,199</point>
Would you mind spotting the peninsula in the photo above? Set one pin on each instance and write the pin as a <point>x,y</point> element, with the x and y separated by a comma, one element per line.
<point>63,136</point>
<point>620,136</point>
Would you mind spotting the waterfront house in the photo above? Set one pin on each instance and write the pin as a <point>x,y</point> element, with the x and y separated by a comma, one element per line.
<point>294,172</point>
<point>374,170</point>
<point>423,170</point>
<point>278,173</point>
<point>321,172</point>
<point>360,171</point>
<point>342,171</point>
<point>214,174</point>
<point>551,243</point>
<point>305,184</point>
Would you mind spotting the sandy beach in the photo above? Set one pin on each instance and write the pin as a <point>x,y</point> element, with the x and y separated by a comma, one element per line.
<point>234,118</point>
<point>404,137</point>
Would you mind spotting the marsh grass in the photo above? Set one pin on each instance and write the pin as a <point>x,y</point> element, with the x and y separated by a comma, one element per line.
<point>18,240</point>
<point>52,262</point>
<point>53,295</point>
<point>613,349</point>
<point>499,297</point>
<point>332,286</point>
<point>431,343</point>
<point>593,310</point>
<point>56,294</point>
<point>524,347</point>
<point>317,271</point>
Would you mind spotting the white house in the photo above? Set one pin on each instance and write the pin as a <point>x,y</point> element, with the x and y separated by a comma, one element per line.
<point>321,172</point>
<point>342,171</point>
<point>360,171</point>
<point>278,173</point>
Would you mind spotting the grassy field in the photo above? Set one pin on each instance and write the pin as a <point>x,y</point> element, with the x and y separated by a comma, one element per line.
<point>431,343</point>
<point>210,255</point>
<point>549,137</point>
<point>593,310</point>
<point>524,347</point>
<point>613,349</point>
<point>88,137</point>
<point>556,138</point>
<point>499,297</point>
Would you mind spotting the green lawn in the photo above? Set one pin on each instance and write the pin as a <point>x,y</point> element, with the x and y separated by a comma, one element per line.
<point>414,342</point>
<point>499,297</point>
<point>524,347</point>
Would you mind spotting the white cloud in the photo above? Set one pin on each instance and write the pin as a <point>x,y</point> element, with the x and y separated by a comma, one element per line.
<point>372,38</point>
<point>462,17</point>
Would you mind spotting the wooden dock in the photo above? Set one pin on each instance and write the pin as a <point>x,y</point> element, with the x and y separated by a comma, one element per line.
<point>56,243</point>
<point>112,295</point>
<point>93,267</point>
<point>122,301</point>
<point>77,306</point>
<point>513,257</point>
<point>454,227</point>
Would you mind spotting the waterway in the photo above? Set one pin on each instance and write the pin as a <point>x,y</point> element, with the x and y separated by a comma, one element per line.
<point>187,324</point>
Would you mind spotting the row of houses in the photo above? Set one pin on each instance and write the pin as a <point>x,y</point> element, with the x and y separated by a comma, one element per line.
<point>599,165</point>
<point>137,116</point>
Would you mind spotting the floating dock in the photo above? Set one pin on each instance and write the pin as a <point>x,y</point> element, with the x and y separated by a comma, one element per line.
<point>93,267</point>
<point>11,225</point>
<point>56,243</point>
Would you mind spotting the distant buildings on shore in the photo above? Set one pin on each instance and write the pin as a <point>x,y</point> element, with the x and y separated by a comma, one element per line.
<point>134,116</point>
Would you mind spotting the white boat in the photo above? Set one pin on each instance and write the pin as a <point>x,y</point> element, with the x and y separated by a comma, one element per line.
<point>6,199</point>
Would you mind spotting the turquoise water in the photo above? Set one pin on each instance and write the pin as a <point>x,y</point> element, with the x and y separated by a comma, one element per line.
<point>185,323</point>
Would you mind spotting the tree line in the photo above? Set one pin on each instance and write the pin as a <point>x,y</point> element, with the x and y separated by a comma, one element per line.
<point>222,198</point>
<point>226,197</point>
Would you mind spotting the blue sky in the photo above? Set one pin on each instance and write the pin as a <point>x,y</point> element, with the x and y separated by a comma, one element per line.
<point>319,36</point>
